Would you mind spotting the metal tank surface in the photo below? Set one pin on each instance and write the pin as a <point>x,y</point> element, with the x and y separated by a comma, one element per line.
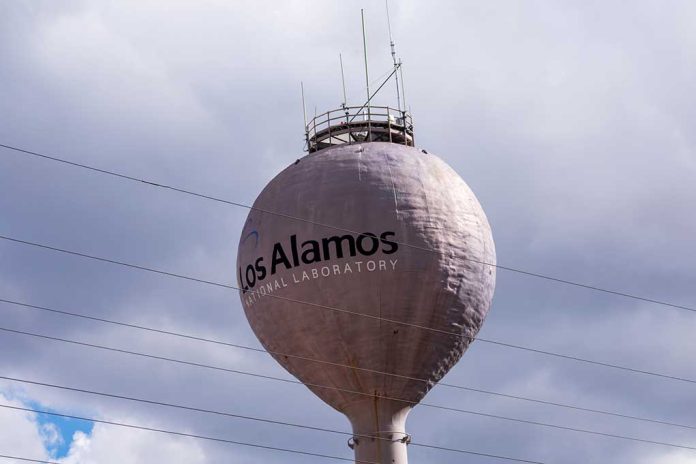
<point>410,243</point>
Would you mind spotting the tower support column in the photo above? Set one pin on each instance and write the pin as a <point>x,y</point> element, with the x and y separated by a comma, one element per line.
<point>379,429</point>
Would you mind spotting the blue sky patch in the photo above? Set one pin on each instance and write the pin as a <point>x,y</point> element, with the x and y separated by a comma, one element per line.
<point>57,432</point>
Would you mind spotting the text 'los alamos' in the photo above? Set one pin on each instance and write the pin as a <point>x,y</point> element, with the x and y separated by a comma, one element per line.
<point>316,251</point>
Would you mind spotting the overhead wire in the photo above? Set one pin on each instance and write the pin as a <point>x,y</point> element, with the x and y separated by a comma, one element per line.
<point>320,361</point>
<point>346,390</point>
<point>289,216</point>
<point>25,459</point>
<point>257,419</point>
<point>354,313</point>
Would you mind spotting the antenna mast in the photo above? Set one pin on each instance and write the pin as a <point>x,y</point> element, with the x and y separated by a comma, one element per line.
<point>304,115</point>
<point>393,54</point>
<point>403,91</point>
<point>367,76</point>
<point>343,81</point>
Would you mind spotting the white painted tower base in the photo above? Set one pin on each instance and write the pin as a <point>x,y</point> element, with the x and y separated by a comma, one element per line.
<point>379,432</point>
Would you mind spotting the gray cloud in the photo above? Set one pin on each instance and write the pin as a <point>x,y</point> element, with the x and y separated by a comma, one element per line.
<point>572,123</point>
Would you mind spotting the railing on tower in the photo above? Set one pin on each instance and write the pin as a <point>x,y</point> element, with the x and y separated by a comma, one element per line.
<point>359,124</point>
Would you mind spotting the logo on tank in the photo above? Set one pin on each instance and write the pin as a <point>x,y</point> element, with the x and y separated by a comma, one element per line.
<point>314,259</point>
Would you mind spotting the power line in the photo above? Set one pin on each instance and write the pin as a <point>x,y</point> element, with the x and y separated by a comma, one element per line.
<point>258,419</point>
<point>184,434</point>
<point>354,313</point>
<point>345,390</point>
<point>20,458</point>
<point>304,358</point>
<point>288,216</point>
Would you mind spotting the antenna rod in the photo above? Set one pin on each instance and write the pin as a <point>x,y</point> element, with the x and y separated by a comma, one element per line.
<point>403,91</point>
<point>343,80</point>
<point>304,117</point>
<point>304,108</point>
<point>393,54</point>
<point>367,76</point>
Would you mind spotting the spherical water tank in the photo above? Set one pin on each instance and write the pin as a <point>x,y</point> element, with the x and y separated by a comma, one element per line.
<point>387,231</point>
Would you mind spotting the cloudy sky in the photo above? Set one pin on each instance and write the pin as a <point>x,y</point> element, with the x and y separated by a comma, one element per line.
<point>572,121</point>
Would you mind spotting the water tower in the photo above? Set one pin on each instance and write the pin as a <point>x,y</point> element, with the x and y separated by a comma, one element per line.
<point>372,256</point>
